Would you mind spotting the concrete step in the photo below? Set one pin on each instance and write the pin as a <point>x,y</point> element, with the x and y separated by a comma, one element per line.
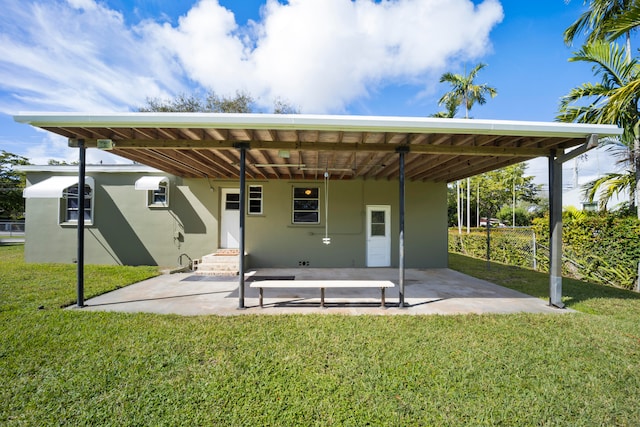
<point>223,262</point>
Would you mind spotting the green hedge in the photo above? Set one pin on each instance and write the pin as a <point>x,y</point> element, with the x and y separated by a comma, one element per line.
<point>600,249</point>
<point>508,246</point>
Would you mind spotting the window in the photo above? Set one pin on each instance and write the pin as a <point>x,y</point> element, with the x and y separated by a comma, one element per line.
<point>255,200</point>
<point>232,202</point>
<point>306,205</point>
<point>70,204</point>
<point>159,197</point>
<point>156,188</point>
<point>378,223</point>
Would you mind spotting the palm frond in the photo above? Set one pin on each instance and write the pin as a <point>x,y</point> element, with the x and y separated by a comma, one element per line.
<point>624,23</point>
<point>608,186</point>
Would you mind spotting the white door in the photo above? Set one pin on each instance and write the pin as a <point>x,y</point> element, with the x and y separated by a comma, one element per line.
<point>378,236</point>
<point>230,218</point>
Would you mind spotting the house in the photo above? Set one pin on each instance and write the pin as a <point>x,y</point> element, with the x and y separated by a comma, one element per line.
<point>280,187</point>
<point>138,215</point>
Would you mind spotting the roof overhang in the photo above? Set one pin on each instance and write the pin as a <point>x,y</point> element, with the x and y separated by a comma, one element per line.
<point>304,146</point>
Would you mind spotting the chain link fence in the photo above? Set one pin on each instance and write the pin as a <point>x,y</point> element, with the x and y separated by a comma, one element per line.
<point>12,230</point>
<point>508,245</point>
<point>523,247</point>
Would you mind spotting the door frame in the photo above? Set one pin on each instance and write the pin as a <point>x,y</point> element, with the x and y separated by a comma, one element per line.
<point>387,210</point>
<point>224,224</point>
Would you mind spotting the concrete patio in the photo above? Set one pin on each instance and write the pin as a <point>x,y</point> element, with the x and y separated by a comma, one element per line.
<point>433,291</point>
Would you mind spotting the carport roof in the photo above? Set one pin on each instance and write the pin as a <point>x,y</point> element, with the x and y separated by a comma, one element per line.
<point>300,146</point>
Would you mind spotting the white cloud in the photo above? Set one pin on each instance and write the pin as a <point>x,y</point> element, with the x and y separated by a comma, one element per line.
<point>77,56</point>
<point>318,54</point>
<point>324,54</point>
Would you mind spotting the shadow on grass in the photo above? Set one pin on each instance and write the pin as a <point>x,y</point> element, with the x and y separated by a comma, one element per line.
<point>579,295</point>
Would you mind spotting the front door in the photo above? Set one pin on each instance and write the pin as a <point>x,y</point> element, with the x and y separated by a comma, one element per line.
<point>230,218</point>
<point>378,236</point>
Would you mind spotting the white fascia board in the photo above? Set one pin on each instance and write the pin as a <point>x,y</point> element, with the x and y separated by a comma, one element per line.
<point>149,182</point>
<point>89,169</point>
<point>53,187</point>
<point>319,122</point>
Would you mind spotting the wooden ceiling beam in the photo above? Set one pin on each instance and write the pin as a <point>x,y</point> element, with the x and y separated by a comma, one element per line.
<point>161,162</point>
<point>525,152</point>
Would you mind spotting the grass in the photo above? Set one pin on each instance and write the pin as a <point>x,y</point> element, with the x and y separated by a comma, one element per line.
<point>76,368</point>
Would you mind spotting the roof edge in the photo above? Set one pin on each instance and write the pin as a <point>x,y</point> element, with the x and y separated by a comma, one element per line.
<point>132,168</point>
<point>316,122</point>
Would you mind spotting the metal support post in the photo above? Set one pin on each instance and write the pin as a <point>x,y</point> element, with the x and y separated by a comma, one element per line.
<point>401,152</point>
<point>243,148</point>
<point>81,204</point>
<point>555,231</point>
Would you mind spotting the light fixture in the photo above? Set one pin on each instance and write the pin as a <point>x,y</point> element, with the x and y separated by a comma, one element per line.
<point>284,154</point>
<point>104,144</point>
<point>307,192</point>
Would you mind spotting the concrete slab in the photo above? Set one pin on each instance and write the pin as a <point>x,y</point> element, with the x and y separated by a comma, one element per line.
<point>433,291</point>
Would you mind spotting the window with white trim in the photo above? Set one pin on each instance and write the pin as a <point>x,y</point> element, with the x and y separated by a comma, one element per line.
<point>159,197</point>
<point>306,205</point>
<point>255,200</point>
<point>70,205</point>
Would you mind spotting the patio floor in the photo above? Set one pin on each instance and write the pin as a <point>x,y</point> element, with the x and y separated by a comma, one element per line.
<point>432,291</point>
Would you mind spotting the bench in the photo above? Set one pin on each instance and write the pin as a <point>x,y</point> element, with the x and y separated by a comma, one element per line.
<point>322,284</point>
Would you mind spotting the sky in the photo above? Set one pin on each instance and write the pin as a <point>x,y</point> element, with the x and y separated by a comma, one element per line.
<point>359,57</point>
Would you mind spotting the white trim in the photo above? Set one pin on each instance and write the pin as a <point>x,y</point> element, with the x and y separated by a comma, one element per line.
<point>317,122</point>
<point>131,168</point>
<point>378,248</point>
<point>53,188</point>
<point>150,182</point>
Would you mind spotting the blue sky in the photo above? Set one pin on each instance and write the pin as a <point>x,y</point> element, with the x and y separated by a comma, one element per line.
<point>326,56</point>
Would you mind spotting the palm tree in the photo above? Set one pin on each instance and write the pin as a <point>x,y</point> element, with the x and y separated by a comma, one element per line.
<point>464,91</point>
<point>452,104</point>
<point>597,22</point>
<point>602,103</point>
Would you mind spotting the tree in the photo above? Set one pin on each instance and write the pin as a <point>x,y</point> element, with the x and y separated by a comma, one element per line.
<point>11,185</point>
<point>601,103</point>
<point>242,102</point>
<point>494,190</point>
<point>608,20</point>
<point>451,104</point>
<point>598,22</point>
<point>464,91</point>
<point>54,162</point>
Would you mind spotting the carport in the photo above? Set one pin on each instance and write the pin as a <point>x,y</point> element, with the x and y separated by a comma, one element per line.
<point>237,146</point>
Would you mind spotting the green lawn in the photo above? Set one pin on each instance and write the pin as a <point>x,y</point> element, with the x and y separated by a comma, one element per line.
<point>75,368</point>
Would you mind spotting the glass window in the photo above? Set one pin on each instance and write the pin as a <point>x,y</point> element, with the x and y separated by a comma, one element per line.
<point>255,199</point>
<point>71,205</point>
<point>378,223</point>
<point>160,196</point>
<point>232,202</point>
<point>306,205</point>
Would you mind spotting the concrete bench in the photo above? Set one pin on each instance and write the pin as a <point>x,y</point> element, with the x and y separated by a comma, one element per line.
<point>322,285</point>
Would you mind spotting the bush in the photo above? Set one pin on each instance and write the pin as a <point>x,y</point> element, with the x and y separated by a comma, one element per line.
<point>603,249</point>
<point>508,245</point>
